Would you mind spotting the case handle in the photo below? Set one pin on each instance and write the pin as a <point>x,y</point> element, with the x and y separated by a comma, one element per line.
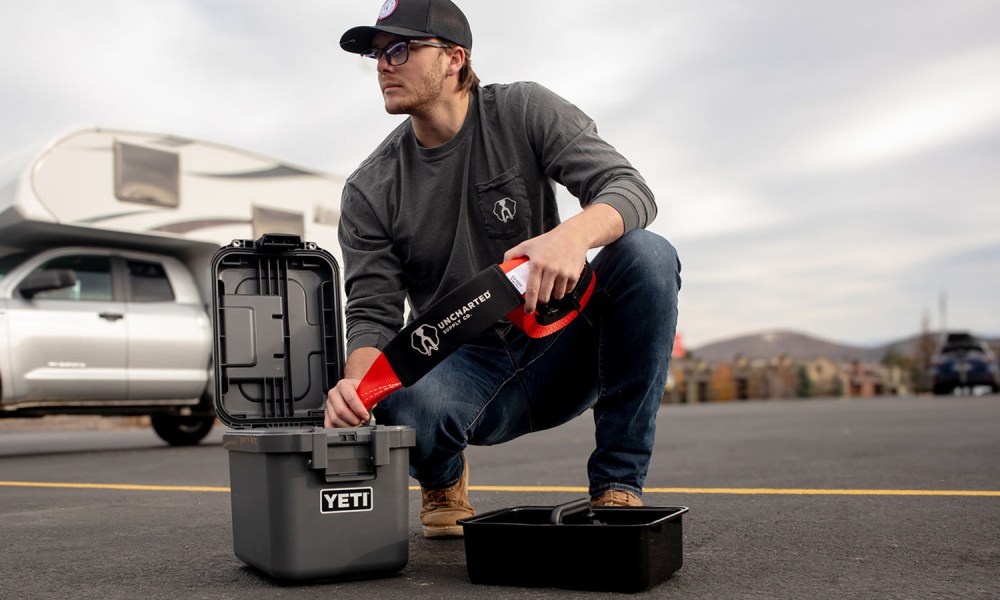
<point>570,508</point>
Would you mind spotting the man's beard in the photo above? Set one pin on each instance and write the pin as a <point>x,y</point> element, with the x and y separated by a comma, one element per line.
<point>417,98</point>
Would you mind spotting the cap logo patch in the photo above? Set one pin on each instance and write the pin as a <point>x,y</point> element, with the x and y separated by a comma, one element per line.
<point>387,9</point>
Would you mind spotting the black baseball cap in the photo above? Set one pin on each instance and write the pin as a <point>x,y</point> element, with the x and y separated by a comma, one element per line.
<point>412,19</point>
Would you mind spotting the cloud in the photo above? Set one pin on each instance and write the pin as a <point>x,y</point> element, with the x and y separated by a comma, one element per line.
<point>940,104</point>
<point>825,166</point>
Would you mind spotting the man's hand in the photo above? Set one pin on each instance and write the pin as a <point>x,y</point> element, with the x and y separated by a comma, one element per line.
<point>557,257</point>
<point>343,405</point>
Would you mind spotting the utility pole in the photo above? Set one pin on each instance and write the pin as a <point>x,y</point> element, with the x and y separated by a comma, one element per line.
<point>943,307</point>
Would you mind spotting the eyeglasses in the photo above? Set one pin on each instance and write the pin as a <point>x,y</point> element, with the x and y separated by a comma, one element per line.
<point>398,53</point>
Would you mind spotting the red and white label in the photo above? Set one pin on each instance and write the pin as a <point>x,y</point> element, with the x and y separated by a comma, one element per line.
<point>519,276</point>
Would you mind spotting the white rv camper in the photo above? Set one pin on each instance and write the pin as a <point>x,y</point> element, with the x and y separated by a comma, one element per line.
<point>162,192</point>
<point>105,242</point>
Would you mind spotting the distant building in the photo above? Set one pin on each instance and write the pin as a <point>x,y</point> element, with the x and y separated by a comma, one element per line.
<point>694,380</point>
<point>825,376</point>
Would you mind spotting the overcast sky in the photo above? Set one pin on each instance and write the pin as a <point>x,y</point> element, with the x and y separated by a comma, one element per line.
<point>831,167</point>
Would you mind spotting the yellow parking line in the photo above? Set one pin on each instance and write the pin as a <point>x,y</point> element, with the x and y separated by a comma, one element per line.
<point>539,489</point>
<point>114,486</point>
<point>746,491</point>
<point>822,492</point>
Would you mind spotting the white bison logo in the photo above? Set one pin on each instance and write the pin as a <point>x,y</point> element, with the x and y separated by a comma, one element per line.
<point>425,340</point>
<point>505,210</point>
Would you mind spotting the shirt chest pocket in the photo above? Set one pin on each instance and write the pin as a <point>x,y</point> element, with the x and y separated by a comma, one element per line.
<point>504,204</point>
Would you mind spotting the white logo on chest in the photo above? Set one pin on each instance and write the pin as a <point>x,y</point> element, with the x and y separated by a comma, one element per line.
<point>505,210</point>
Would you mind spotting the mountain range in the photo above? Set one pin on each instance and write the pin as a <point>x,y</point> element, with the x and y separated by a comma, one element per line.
<point>766,344</point>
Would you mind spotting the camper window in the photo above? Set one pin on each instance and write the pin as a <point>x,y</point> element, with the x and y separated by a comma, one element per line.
<point>147,175</point>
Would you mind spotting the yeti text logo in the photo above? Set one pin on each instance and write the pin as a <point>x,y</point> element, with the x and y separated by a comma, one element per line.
<point>425,339</point>
<point>505,210</point>
<point>349,500</point>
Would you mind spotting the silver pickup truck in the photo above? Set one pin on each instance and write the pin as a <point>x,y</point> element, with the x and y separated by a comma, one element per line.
<point>111,332</point>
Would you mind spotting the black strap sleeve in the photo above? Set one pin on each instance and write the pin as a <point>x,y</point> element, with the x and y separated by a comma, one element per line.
<point>450,322</point>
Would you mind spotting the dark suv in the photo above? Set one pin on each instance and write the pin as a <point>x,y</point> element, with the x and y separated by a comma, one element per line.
<point>964,361</point>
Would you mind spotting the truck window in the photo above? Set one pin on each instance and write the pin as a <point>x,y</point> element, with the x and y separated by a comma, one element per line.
<point>93,278</point>
<point>8,262</point>
<point>148,282</point>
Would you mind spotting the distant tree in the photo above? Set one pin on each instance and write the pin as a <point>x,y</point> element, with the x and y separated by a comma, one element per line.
<point>895,358</point>
<point>838,386</point>
<point>804,385</point>
<point>920,368</point>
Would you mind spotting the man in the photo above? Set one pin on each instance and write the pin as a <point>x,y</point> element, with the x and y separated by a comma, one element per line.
<point>468,180</point>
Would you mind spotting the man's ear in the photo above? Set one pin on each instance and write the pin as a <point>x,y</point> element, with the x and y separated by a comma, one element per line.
<point>456,61</point>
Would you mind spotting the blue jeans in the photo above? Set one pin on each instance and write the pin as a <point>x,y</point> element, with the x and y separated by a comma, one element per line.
<point>503,384</point>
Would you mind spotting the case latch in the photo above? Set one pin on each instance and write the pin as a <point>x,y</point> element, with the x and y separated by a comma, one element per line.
<point>341,457</point>
<point>277,242</point>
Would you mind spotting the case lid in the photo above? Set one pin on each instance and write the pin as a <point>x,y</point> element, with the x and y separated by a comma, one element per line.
<point>308,440</point>
<point>277,320</point>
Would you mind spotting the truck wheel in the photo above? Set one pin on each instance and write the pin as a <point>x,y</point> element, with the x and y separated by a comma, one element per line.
<point>181,431</point>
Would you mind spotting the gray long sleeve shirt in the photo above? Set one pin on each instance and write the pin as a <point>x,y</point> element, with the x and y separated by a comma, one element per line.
<point>415,222</point>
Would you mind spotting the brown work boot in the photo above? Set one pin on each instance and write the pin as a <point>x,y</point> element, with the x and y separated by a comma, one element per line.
<point>616,498</point>
<point>441,509</point>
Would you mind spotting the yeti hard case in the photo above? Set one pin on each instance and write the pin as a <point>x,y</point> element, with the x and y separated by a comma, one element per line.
<point>307,502</point>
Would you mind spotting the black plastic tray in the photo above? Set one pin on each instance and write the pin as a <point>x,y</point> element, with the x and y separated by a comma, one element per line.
<point>571,546</point>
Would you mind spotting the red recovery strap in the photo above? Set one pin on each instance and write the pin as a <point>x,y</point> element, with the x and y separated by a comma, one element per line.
<point>379,381</point>
<point>465,312</point>
<point>550,317</point>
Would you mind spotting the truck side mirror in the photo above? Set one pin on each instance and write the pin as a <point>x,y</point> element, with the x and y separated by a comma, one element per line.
<point>47,280</point>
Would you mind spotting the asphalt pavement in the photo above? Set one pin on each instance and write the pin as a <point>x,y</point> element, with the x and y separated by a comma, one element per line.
<point>824,498</point>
